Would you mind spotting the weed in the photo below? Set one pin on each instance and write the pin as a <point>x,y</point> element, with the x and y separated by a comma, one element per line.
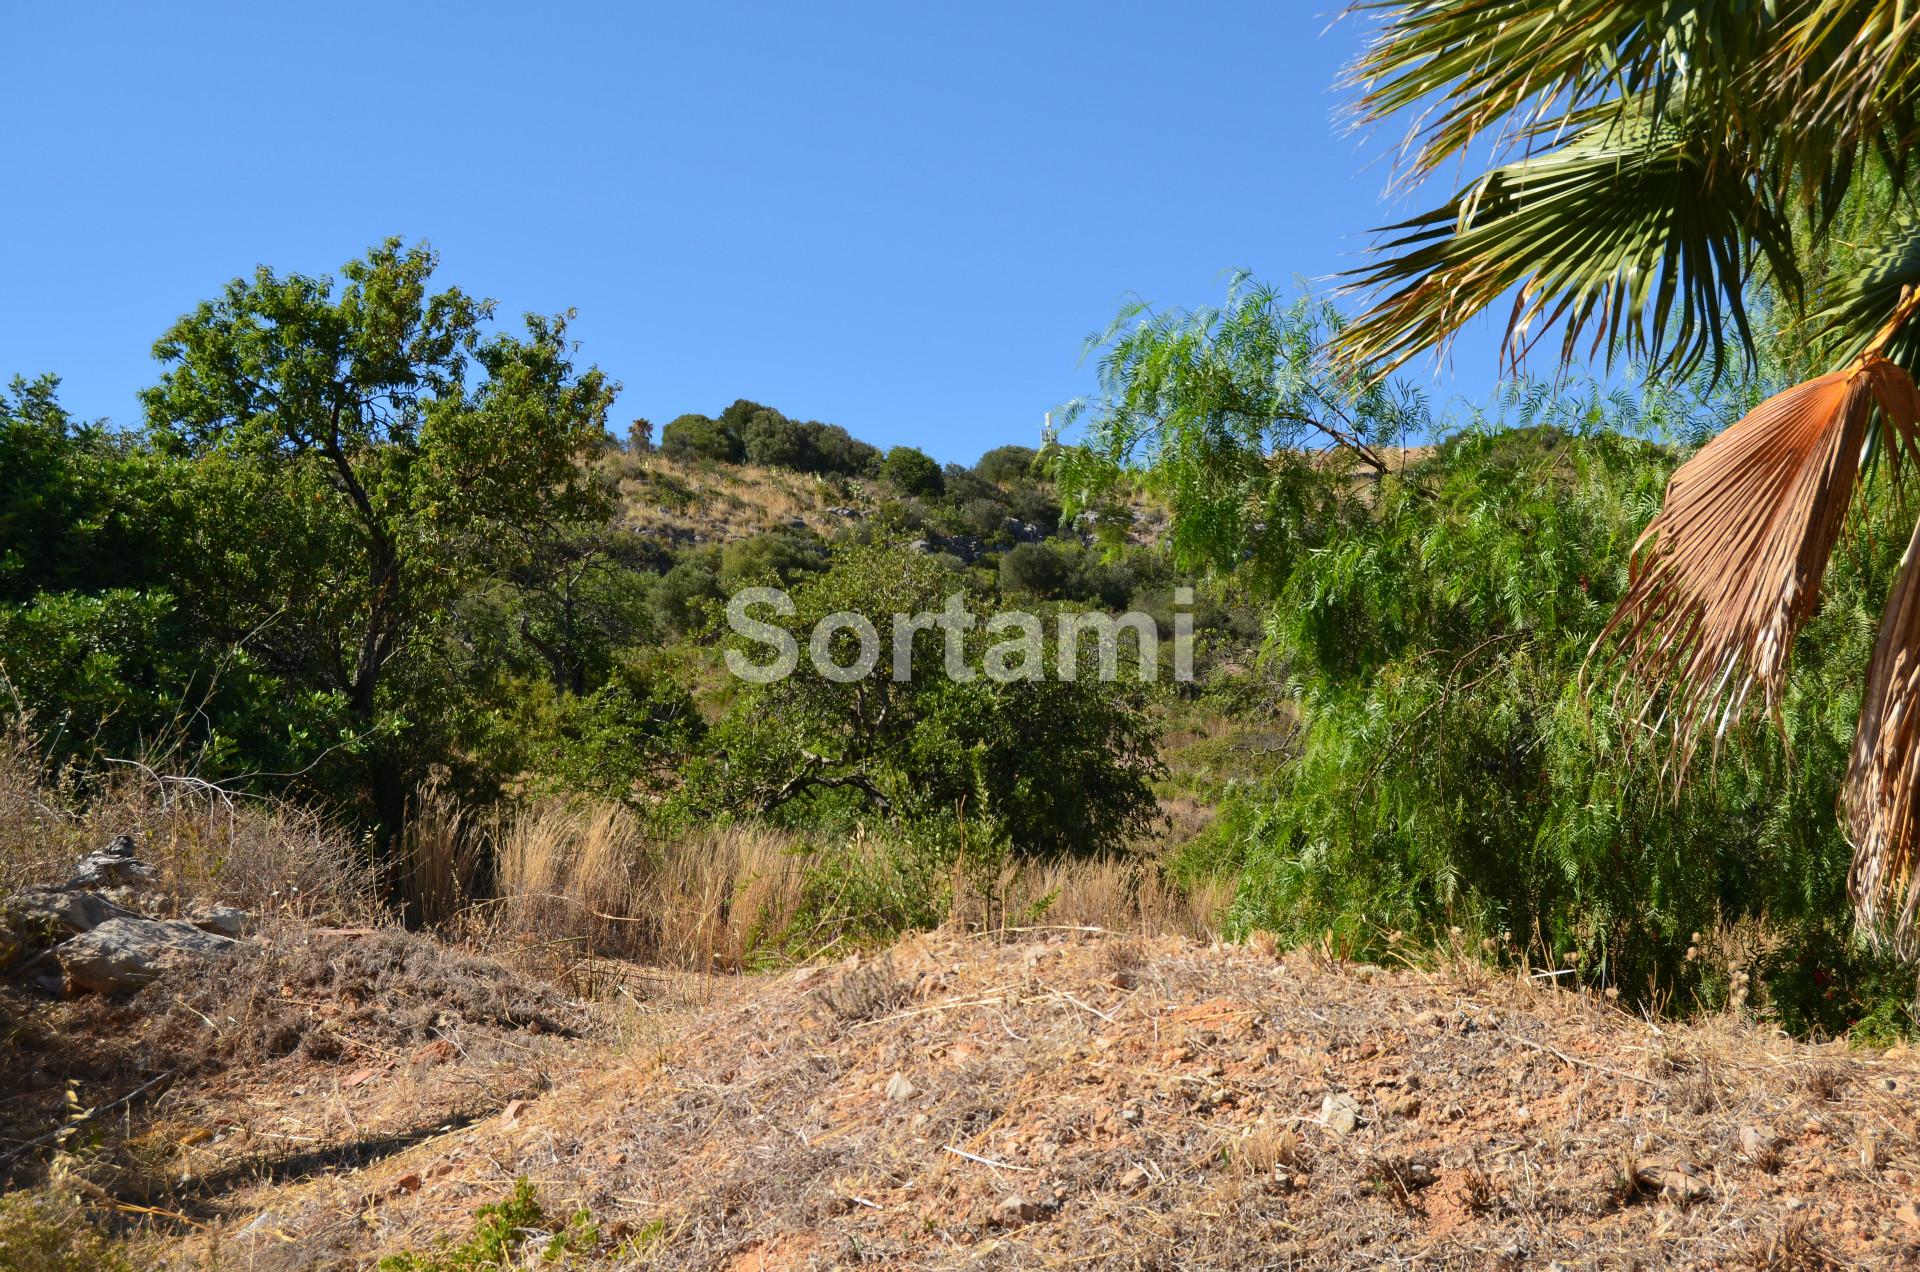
<point>502,1233</point>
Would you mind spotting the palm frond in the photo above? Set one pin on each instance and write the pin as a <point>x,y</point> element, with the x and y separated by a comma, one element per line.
<point>1731,566</point>
<point>1870,289</point>
<point>1525,67</point>
<point>1840,72</point>
<point>1879,802</point>
<point>1636,231</point>
<point>1844,71</point>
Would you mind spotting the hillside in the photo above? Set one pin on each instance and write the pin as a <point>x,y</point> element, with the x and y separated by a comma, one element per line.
<point>1077,1098</point>
<point>682,503</point>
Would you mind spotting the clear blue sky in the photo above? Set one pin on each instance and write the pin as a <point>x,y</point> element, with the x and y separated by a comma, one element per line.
<point>897,217</point>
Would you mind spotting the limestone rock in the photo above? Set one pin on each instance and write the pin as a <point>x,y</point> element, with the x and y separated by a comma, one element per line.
<point>1340,1113</point>
<point>114,866</point>
<point>40,917</point>
<point>222,920</point>
<point>125,953</point>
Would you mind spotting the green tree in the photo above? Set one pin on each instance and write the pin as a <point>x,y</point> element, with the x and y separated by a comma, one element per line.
<point>912,472</point>
<point>1261,448</point>
<point>698,437</point>
<point>363,450</point>
<point>814,750</point>
<point>1663,152</point>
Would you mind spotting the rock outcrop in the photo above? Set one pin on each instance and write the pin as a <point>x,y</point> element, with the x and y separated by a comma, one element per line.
<point>85,935</point>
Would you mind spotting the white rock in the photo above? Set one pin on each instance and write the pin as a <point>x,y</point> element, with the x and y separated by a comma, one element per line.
<point>1340,1113</point>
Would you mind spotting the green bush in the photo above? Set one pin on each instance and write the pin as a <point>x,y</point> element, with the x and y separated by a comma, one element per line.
<point>772,439</point>
<point>698,437</point>
<point>1034,569</point>
<point>1454,780</point>
<point>1004,465</point>
<point>1455,774</point>
<point>838,451</point>
<point>912,472</point>
<point>501,1231</point>
<point>1065,766</point>
<point>622,742</point>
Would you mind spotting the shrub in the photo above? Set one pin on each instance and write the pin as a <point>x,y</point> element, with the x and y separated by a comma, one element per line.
<point>681,599</point>
<point>1034,569</point>
<point>808,750</point>
<point>624,740</point>
<point>912,472</point>
<point>697,437</point>
<point>1004,465</point>
<point>500,1231</point>
<point>41,1231</point>
<point>772,439</point>
<point>838,451</point>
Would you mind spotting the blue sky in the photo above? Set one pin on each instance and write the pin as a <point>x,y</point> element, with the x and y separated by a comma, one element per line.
<point>900,218</point>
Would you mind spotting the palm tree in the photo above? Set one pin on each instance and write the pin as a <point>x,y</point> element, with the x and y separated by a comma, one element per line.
<point>1649,160</point>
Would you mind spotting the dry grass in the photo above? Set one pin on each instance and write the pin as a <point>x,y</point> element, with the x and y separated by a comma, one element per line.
<point>268,857</point>
<point>1134,1102</point>
<point>591,880</point>
<point>1115,894</point>
<point>688,503</point>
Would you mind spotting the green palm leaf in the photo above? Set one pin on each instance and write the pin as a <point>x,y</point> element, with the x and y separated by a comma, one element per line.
<point>1639,232</point>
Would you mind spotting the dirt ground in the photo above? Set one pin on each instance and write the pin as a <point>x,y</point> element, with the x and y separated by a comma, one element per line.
<point>1073,1099</point>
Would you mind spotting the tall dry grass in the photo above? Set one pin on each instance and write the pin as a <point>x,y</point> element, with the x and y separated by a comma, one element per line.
<point>593,877</point>
<point>594,881</point>
<point>265,856</point>
<point>1119,894</point>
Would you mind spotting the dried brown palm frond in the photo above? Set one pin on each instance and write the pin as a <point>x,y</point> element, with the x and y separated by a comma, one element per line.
<point>1731,567</point>
<point>1878,802</point>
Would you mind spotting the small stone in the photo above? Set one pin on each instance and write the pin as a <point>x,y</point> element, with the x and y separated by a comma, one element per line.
<point>439,1051</point>
<point>222,920</point>
<point>899,1090</point>
<point>1016,1210</point>
<point>1681,1185</point>
<point>1340,1113</point>
<point>114,866</point>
